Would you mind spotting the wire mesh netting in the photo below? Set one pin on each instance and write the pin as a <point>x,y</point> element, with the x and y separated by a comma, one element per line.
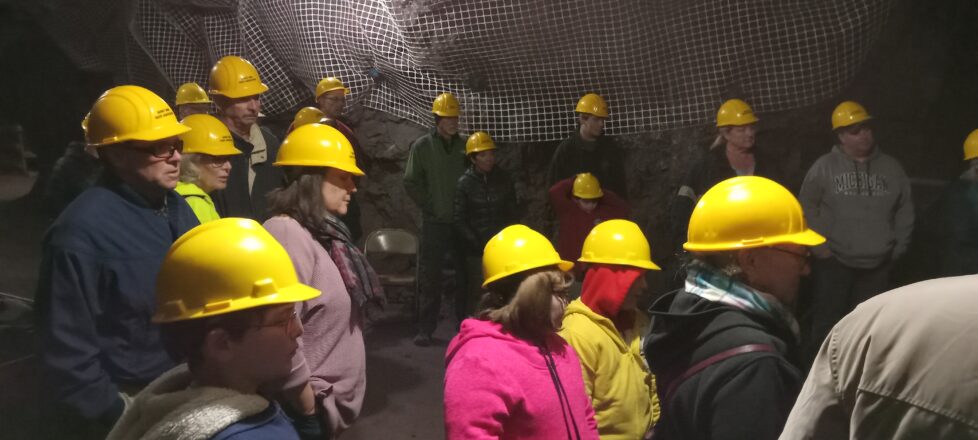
<point>517,66</point>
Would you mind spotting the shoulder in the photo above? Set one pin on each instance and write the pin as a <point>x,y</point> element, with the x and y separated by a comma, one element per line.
<point>422,141</point>
<point>580,332</point>
<point>287,230</point>
<point>90,215</point>
<point>270,139</point>
<point>268,424</point>
<point>890,162</point>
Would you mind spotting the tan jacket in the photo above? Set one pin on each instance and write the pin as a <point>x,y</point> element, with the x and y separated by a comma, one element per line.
<point>903,365</point>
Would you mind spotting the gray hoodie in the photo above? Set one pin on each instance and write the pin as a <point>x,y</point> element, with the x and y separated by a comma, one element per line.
<point>864,209</point>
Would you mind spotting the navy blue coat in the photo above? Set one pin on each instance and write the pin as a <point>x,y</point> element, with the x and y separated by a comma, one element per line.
<point>268,424</point>
<point>96,294</point>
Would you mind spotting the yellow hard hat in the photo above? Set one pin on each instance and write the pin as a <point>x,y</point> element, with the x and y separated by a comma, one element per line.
<point>747,212</point>
<point>84,122</point>
<point>128,113</point>
<point>618,242</point>
<point>971,146</point>
<point>849,113</point>
<point>515,249</point>
<point>586,186</point>
<point>592,104</point>
<point>307,115</point>
<point>208,135</point>
<point>479,141</point>
<point>735,112</point>
<point>225,266</point>
<point>191,93</point>
<point>445,105</point>
<point>318,145</point>
<point>235,77</point>
<point>329,84</point>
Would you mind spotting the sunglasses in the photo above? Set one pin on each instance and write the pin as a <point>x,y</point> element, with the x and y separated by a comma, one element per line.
<point>162,151</point>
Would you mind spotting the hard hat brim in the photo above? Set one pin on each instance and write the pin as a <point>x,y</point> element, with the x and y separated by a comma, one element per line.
<point>286,295</point>
<point>242,92</point>
<point>641,264</point>
<point>221,150</point>
<point>744,121</point>
<point>345,90</point>
<point>563,265</point>
<point>352,169</point>
<point>154,134</point>
<point>836,126</point>
<point>194,101</point>
<point>807,237</point>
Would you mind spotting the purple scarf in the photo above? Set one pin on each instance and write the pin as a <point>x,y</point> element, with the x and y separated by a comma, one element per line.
<point>359,277</point>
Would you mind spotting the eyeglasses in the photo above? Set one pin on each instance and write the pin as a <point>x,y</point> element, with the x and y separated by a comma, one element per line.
<point>288,323</point>
<point>162,151</point>
<point>803,256</point>
<point>217,161</point>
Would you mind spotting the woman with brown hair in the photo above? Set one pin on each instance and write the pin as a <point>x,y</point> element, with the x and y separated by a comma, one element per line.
<point>509,375</point>
<point>325,391</point>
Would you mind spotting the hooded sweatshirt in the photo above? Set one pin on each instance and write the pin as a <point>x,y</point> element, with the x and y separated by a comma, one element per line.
<point>864,209</point>
<point>744,396</point>
<point>498,386</point>
<point>616,376</point>
<point>575,224</point>
<point>171,407</point>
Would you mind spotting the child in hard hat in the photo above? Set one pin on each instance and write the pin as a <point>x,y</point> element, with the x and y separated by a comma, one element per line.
<point>508,374</point>
<point>225,305</point>
<point>580,204</point>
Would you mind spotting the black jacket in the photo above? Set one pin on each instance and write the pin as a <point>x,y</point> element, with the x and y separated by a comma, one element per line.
<point>236,200</point>
<point>484,205</point>
<point>745,396</point>
<point>710,170</point>
<point>602,158</point>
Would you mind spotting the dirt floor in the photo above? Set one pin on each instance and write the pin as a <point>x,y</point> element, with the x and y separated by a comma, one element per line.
<point>404,382</point>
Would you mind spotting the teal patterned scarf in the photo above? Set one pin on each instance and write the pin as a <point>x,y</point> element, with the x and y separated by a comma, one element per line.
<point>710,284</point>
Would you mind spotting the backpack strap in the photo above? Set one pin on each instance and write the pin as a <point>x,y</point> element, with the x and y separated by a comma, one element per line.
<point>701,365</point>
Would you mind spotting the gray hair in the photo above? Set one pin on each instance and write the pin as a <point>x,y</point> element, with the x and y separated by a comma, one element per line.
<point>725,262</point>
<point>190,168</point>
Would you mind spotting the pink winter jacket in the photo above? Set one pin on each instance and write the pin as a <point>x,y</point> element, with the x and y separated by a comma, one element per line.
<point>499,387</point>
<point>332,357</point>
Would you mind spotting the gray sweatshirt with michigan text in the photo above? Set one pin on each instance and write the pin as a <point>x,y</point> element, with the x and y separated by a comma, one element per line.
<point>864,208</point>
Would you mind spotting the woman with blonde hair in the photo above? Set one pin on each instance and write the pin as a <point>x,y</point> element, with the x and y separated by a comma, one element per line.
<point>509,375</point>
<point>204,163</point>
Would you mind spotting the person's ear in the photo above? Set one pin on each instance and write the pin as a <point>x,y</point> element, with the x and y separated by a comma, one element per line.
<point>217,346</point>
<point>747,261</point>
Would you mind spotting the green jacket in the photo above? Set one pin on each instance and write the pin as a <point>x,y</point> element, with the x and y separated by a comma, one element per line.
<point>199,201</point>
<point>432,173</point>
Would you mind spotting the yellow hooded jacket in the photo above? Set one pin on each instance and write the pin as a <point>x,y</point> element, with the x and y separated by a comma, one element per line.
<point>621,387</point>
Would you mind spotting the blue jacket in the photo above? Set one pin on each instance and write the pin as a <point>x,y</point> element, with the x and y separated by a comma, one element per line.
<point>268,424</point>
<point>96,294</point>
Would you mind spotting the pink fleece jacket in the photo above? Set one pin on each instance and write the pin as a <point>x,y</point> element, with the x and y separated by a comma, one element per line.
<point>332,356</point>
<point>499,387</point>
